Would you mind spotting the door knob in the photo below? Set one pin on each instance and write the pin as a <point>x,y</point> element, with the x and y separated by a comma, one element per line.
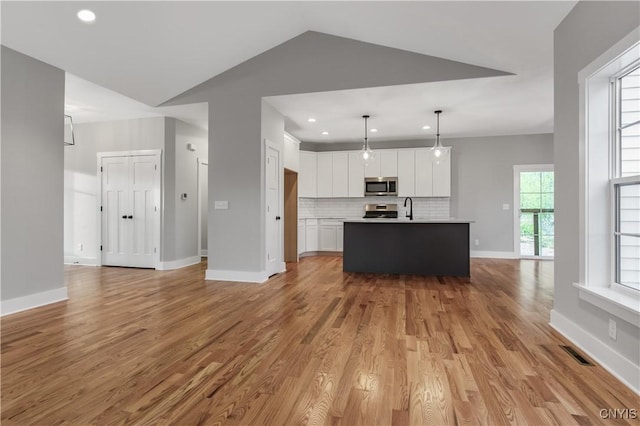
<point>277,217</point>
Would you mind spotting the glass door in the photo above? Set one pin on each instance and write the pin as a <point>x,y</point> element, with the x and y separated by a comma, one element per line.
<point>535,211</point>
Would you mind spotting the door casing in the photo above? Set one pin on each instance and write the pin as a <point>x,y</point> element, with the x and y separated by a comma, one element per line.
<point>157,194</point>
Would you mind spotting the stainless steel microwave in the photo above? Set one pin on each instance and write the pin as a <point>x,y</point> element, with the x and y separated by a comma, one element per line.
<point>381,186</point>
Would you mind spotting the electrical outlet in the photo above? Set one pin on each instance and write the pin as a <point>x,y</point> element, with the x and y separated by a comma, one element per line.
<point>506,207</point>
<point>612,329</point>
<point>476,242</point>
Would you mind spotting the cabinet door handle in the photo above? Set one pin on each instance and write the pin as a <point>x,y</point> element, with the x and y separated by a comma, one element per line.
<point>124,217</point>
<point>129,217</point>
<point>277,217</point>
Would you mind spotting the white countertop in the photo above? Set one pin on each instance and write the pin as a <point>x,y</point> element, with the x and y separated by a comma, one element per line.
<point>405,220</point>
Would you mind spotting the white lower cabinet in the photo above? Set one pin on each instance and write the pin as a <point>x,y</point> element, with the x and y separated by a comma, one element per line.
<point>311,235</point>
<point>302,233</point>
<point>331,232</point>
<point>320,235</point>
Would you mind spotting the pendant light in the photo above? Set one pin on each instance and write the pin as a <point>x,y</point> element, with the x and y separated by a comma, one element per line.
<point>366,152</point>
<point>438,151</point>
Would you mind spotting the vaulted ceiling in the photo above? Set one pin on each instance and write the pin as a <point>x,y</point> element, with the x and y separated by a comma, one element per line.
<point>153,51</point>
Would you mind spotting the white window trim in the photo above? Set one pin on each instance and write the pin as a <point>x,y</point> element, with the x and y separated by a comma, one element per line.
<point>599,288</point>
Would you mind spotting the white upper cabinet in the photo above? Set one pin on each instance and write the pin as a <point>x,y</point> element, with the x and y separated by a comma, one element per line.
<point>406,173</point>
<point>388,162</point>
<point>442,176</point>
<point>325,175</point>
<point>340,174</point>
<point>291,153</point>
<point>372,168</point>
<point>307,176</point>
<point>424,173</point>
<point>356,174</point>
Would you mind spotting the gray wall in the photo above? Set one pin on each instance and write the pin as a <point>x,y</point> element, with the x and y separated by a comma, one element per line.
<point>80,181</point>
<point>589,30</point>
<point>186,181</point>
<point>32,177</point>
<point>481,179</point>
<point>311,62</point>
<point>179,222</point>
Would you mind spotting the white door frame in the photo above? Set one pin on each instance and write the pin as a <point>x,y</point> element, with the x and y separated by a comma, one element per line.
<point>201,162</point>
<point>157,193</point>
<point>280,260</point>
<point>516,204</point>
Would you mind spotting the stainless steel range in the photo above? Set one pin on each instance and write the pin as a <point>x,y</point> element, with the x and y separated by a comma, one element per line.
<point>381,211</point>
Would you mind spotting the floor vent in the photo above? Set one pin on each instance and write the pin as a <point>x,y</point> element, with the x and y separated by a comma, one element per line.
<point>576,355</point>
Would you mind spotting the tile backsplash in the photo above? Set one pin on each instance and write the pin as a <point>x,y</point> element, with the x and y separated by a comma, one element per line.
<point>424,208</point>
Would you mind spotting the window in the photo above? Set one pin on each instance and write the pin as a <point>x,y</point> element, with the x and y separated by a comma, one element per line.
<point>609,181</point>
<point>626,176</point>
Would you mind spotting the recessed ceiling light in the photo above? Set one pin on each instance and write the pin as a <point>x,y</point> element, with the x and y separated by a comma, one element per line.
<point>311,120</point>
<point>426,127</point>
<point>373,130</point>
<point>325,133</point>
<point>85,15</point>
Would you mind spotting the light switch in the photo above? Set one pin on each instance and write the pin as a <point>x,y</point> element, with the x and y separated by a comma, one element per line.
<point>221,205</point>
<point>505,207</point>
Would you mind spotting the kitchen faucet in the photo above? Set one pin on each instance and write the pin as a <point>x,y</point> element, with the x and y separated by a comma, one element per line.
<point>410,214</point>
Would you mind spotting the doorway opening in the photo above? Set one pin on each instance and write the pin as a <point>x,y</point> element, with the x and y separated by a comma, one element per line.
<point>290,216</point>
<point>534,212</point>
<point>203,207</point>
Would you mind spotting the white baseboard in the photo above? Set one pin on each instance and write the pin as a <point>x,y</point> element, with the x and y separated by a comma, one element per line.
<point>75,260</point>
<point>493,254</point>
<point>616,364</point>
<point>204,253</point>
<point>238,276</point>
<point>31,301</point>
<point>177,264</point>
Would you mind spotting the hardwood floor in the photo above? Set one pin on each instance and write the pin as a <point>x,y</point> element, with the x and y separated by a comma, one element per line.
<point>312,346</point>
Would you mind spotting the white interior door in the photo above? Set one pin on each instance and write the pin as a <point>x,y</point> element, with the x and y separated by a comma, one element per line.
<point>142,245</point>
<point>115,208</point>
<point>130,210</point>
<point>273,183</point>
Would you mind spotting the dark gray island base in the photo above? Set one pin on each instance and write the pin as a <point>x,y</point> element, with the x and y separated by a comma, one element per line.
<point>403,247</point>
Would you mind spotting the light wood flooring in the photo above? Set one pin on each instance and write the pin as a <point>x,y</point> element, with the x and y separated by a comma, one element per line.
<point>312,346</point>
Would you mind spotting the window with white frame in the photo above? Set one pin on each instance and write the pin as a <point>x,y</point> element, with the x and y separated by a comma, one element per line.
<point>625,182</point>
<point>609,181</point>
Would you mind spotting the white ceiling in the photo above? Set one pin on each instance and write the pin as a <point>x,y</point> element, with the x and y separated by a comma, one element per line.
<point>88,102</point>
<point>153,51</point>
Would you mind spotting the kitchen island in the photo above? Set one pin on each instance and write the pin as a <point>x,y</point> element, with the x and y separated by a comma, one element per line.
<point>398,246</point>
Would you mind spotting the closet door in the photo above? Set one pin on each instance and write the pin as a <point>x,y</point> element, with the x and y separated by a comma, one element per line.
<point>142,208</point>
<point>115,210</point>
<point>130,215</point>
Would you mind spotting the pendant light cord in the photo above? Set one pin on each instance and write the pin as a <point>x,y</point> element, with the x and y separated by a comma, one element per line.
<point>366,139</point>
<point>438,112</point>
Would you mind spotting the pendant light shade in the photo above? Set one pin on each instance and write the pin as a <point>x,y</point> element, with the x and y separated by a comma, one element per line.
<point>366,152</point>
<point>438,152</point>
